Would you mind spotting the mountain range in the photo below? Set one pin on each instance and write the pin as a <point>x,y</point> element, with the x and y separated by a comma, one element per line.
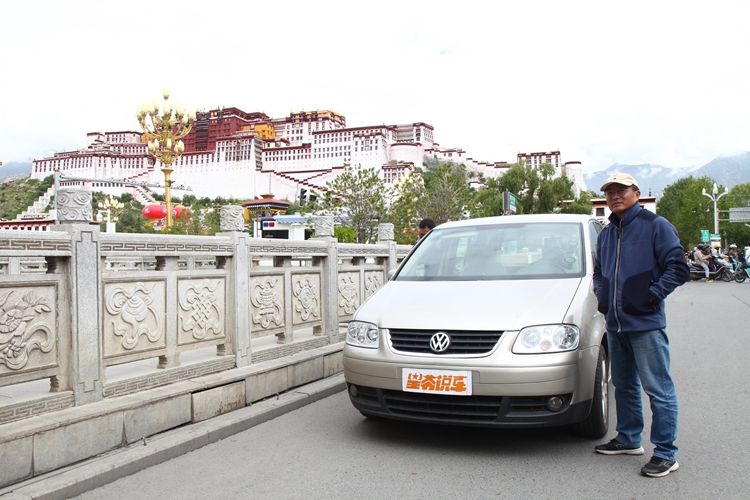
<point>14,169</point>
<point>725,170</point>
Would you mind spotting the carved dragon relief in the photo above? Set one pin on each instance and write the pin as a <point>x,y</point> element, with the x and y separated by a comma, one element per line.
<point>266,299</point>
<point>23,328</point>
<point>201,307</point>
<point>134,314</point>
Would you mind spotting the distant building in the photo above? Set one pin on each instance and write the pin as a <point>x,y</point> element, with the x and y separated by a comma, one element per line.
<point>574,171</point>
<point>601,211</point>
<point>533,160</point>
<point>41,223</point>
<point>233,153</point>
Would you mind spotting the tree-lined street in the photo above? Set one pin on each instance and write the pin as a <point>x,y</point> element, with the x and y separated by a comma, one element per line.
<point>328,450</point>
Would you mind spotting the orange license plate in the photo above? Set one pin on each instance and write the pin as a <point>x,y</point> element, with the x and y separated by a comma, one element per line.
<point>457,383</point>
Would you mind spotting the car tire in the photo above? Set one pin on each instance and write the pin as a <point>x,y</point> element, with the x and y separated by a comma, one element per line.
<point>597,422</point>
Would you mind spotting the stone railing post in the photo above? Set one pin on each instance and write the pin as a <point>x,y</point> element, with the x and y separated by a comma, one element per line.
<point>385,236</point>
<point>330,275</point>
<point>238,283</point>
<point>85,368</point>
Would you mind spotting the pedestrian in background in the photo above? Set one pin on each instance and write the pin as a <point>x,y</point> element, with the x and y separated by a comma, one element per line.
<point>424,227</point>
<point>631,282</point>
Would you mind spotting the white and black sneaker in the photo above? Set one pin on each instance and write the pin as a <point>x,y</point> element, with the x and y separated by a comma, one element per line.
<point>615,447</point>
<point>659,467</point>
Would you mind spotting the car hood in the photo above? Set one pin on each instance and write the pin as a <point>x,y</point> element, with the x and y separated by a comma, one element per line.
<point>469,305</point>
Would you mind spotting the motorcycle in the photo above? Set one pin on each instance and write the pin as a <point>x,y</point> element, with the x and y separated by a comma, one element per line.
<point>721,272</point>
<point>741,273</point>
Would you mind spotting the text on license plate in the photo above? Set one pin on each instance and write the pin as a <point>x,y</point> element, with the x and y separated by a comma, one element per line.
<point>457,383</point>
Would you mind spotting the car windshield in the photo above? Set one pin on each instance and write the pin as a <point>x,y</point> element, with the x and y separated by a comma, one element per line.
<point>538,250</point>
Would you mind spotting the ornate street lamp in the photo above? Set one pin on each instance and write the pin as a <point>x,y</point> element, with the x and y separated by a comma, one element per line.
<point>163,131</point>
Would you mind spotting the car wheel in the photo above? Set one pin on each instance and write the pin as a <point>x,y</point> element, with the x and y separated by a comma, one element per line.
<point>597,422</point>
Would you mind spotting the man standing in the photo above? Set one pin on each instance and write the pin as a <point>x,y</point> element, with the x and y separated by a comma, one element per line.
<point>631,282</point>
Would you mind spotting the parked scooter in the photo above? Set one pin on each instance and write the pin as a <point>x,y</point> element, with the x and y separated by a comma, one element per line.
<point>741,273</point>
<point>723,273</point>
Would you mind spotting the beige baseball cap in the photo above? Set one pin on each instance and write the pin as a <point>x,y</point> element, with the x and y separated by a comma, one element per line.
<point>620,178</point>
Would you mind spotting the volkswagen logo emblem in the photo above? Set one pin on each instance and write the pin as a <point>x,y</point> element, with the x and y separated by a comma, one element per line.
<point>440,342</point>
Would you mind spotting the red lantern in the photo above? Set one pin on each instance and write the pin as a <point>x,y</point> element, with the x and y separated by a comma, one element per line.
<point>179,212</point>
<point>154,211</point>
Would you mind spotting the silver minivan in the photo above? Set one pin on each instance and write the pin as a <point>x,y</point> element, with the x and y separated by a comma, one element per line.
<point>487,322</point>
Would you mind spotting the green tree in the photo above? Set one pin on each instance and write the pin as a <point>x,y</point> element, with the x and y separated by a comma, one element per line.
<point>344,234</point>
<point>359,193</point>
<point>687,209</point>
<point>129,218</point>
<point>447,193</point>
<point>537,190</point>
<point>736,232</point>
<point>581,205</point>
<point>405,209</point>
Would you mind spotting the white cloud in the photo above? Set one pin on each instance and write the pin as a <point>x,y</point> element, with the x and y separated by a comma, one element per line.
<point>631,82</point>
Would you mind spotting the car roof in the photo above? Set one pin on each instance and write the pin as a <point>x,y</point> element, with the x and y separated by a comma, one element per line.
<point>516,219</point>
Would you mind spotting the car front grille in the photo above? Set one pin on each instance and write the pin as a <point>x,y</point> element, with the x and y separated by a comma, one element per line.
<point>443,407</point>
<point>462,341</point>
<point>462,410</point>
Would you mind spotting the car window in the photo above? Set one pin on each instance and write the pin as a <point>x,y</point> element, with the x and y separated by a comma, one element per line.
<point>539,250</point>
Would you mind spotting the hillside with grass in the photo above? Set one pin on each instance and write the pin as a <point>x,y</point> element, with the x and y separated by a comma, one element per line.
<point>16,195</point>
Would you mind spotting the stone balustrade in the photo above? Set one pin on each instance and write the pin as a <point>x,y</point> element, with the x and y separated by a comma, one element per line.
<point>75,302</point>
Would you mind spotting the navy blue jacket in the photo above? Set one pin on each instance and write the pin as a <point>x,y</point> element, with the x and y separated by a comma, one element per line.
<point>639,261</point>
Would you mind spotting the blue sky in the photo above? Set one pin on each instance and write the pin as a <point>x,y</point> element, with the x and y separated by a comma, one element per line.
<point>632,82</point>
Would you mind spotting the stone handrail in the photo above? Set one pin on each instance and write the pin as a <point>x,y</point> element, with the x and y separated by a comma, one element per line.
<point>74,301</point>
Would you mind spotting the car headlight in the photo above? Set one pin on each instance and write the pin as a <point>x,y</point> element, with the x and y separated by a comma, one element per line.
<point>546,338</point>
<point>361,334</point>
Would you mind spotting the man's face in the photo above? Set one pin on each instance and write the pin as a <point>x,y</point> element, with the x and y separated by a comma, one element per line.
<point>620,198</point>
<point>421,231</point>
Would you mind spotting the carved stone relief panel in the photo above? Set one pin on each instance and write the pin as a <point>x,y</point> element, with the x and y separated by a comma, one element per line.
<point>267,302</point>
<point>201,311</point>
<point>385,231</point>
<point>74,205</point>
<point>133,317</point>
<point>348,293</point>
<point>323,226</point>
<point>305,298</point>
<point>373,281</point>
<point>27,328</point>
<point>230,217</point>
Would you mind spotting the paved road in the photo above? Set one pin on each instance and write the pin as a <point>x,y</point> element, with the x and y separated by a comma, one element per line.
<point>327,450</point>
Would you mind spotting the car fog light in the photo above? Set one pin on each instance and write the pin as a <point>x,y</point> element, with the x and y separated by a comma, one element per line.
<point>555,403</point>
<point>353,392</point>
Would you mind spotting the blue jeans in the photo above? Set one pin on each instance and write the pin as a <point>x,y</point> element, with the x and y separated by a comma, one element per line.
<point>642,358</point>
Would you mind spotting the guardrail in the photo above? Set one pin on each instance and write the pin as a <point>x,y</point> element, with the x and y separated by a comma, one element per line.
<point>75,302</point>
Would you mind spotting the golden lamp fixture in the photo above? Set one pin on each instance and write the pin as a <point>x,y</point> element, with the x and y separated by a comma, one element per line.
<point>163,130</point>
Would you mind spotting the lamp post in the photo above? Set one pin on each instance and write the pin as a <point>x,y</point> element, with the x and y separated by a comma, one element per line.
<point>100,218</point>
<point>713,196</point>
<point>163,131</point>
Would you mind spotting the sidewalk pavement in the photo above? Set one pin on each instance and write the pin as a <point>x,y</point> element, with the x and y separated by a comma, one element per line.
<point>92,473</point>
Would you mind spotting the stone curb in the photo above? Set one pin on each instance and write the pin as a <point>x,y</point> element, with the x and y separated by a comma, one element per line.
<point>98,471</point>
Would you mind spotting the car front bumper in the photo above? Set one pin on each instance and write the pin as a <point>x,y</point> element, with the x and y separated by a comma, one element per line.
<point>508,390</point>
